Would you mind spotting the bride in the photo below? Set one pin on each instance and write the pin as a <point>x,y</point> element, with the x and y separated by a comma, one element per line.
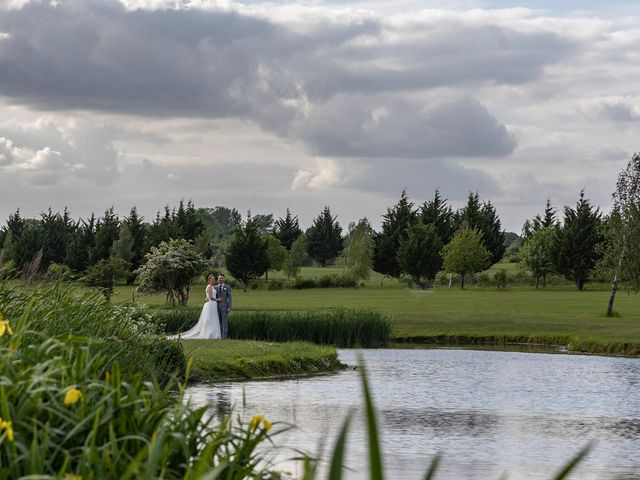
<point>208,325</point>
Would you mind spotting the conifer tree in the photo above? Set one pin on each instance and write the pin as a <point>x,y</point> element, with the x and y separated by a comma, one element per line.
<point>137,229</point>
<point>324,238</point>
<point>107,232</point>
<point>287,230</point>
<point>246,257</point>
<point>438,213</point>
<point>395,224</point>
<point>576,246</point>
<point>419,253</point>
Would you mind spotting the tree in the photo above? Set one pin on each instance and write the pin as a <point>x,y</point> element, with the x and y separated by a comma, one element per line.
<point>56,233</point>
<point>287,230</point>
<point>358,251</point>
<point>576,245</point>
<point>438,213</point>
<point>536,254</point>
<point>548,219</point>
<point>104,274</point>
<point>138,231</point>
<point>30,245</point>
<point>622,252</point>
<point>80,251</point>
<point>247,257</point>
<point>170,268</point>
<point>395,224</point>
<point>466,253</point>
<point>295,258</point>
<point>485,219</point>
<point>324,238</point>
<point>107,232</point>
<point>419,253</point>
<point>276,254</point>
<point>264,223</point>
<point>123,247</point>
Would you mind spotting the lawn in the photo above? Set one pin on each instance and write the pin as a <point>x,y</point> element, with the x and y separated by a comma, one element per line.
<point>551,315</point>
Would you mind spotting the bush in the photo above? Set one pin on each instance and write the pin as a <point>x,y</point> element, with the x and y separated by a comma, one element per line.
<point>481,279</point>
<point>301,283</point>
<point>500,278</point>
<point>57,271</point>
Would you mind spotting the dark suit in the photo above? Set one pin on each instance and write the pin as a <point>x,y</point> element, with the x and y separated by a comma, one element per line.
<point>224,292</point>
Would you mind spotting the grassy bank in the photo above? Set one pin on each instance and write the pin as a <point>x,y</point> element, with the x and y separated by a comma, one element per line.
<point>215,360</point>
<point>549,316</point>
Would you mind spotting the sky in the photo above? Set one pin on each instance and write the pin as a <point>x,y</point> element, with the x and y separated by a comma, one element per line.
<point>265,106</point>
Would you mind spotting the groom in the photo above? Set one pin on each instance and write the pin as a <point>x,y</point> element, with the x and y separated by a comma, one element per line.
<point>223,296</point>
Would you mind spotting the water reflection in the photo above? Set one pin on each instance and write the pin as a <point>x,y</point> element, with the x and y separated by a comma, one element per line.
<point>488,412</point>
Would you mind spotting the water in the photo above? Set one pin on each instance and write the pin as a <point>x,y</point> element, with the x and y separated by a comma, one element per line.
<point>487,412</point>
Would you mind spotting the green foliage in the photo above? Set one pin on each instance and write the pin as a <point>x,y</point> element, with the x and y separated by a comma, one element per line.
<point>107,232</point>
<point>295,257</point>
<point>395,224</point>
<point>122,248</point>
<point>438,213</point>
<point>104,275</point>
<point>56,233</point>
<point>500,278</point>
<point>287,230</point>
<point>247,257</point>
<point>276,253</point>
<point>81,248</point>
<point>465,253</point>
<point>72,413</point>
<point>576,246</point>
<point>358,251</point>
<point>137,231</point>
<point>324,238</point>
<point>170,268</point>
<point>419,253</point>
<point>484,218</point>
<point>537,253</point>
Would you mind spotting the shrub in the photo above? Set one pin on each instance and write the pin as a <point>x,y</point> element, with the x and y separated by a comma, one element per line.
<point>500,278</point>
<point>302,283</point>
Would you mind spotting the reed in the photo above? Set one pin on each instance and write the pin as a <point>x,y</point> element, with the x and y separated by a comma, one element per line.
<point>341,327</point>
<point>126,334</point>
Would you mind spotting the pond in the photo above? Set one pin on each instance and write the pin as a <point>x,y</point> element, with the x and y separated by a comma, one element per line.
<point>488,413</point>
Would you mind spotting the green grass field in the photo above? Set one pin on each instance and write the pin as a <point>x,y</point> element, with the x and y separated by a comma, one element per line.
<point>522,314</point>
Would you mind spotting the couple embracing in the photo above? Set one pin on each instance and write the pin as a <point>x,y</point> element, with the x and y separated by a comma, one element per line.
<point>213,322</point>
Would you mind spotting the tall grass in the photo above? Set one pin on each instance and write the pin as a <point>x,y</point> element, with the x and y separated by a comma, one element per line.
<point>341,328</point>
<point>64,415</point>
<point>126,334</point>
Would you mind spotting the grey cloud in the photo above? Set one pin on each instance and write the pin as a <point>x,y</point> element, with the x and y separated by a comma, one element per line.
<point>391,127</point>
<point>93,54</point>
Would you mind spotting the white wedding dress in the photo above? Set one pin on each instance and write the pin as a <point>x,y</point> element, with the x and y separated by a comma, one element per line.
<point>208,326</point>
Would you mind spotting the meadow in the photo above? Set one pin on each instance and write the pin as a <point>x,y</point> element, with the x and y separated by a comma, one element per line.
<point>557,315</point>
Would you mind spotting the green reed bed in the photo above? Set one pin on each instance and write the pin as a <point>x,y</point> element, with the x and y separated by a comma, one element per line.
<point>126,334</point>
<point>341,328</point>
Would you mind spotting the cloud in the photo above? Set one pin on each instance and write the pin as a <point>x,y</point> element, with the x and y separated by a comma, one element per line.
<point>398,128</point>
<point>327,174</point>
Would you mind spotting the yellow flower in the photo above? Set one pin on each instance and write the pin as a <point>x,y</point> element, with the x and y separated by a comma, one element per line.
<point>266,424</point>
<point>72,396</point>
<point>154,436</point>
<point>255,421</point>
<point>288,473</point>
<point>107,377</point>
<point>5,327</point>
<point>71,476</point>
<point>7,427</point>
<point>189,362</point>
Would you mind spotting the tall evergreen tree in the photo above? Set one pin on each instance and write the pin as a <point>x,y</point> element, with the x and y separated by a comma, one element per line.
<point>137,229</point>
<point>395,224</point>
<point>247,257</point>
<point>107,232</point>
<point>324,238</point>
<point>419,253</point>
<point>540,222</point>
<point>576,246</point>
<point>483,216</point>
<point>57,231</point>
<point>287,230</point>
<point>80,251</point>
<point>123,247</point>
<point>31,242</point>
<point>438,213</point>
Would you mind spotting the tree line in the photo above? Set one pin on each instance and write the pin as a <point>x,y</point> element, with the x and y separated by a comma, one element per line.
<point>416,241</point>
